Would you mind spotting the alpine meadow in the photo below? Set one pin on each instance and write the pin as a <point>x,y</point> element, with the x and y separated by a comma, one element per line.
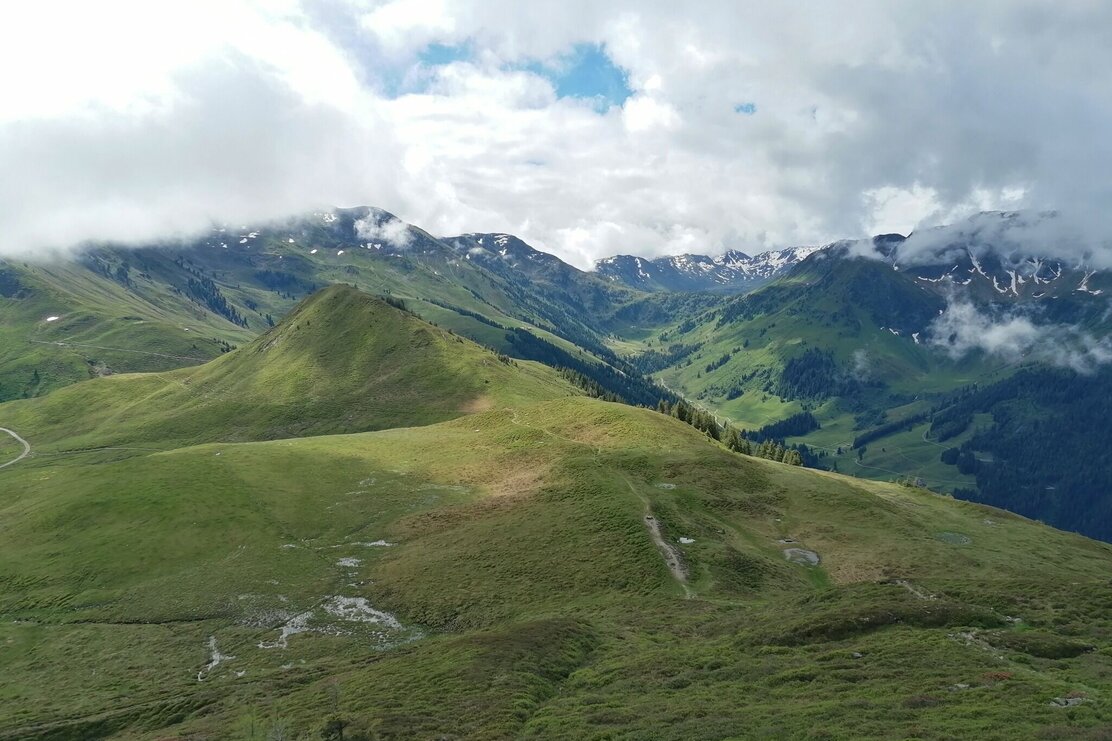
<point>727,372</point>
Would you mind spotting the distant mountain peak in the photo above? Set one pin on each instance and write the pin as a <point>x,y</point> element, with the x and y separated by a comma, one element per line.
<point>731,272</point>
<point>1000,256</point>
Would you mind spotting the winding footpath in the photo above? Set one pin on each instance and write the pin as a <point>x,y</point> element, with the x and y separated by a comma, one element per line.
<point>118,349</point>
<point>668,552</point>
<point>26,448</point>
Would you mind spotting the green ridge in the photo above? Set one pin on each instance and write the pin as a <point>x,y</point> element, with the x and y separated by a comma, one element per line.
<point>342,361</point>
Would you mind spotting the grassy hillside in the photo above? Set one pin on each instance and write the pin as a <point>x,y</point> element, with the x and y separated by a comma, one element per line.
<point>494,576</point>
<point>858,312</point>
<point>342,361</point>
<point>63,323</point>
<point>165,306</point>
<point>845,340</point>
<point>840,338</point>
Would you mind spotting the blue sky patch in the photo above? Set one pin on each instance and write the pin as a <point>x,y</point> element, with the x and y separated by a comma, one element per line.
<point>439,54</point>
<point>396,80</point>
<point>588,73</point>
<point>746,109</point>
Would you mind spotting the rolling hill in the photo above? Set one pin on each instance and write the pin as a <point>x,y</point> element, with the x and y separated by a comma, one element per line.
<point>341,361</point>
<point>122,309</point>
<point>553,569</point>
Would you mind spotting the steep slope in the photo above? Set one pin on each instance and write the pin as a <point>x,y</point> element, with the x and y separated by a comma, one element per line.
<point>65,322</point>
<point>566,301</point>
<point>956,357</point>
<point>992,268</point>
<point>832,327</point>
<point>844,339</point>
<point>341,361</point>
<point>499,576</point>
<point>1037,443</point>
<point>833,286</point>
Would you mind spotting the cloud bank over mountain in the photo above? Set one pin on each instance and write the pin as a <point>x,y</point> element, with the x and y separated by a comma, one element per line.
<point>1014,337</point>
<point>587,128</point>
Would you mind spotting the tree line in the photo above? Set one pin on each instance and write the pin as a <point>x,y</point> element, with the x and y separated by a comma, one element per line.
<point>727,434</point>
<point>794,426</point>
<point>1045,454</point>
<point>899,425</point>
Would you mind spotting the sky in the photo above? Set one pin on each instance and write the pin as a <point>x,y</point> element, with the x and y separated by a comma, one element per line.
<point>586,128</point>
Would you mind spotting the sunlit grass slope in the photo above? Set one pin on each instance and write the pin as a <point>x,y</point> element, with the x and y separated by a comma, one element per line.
<point>493,577</point>
<point>342,361</point>
<point>62,323</point>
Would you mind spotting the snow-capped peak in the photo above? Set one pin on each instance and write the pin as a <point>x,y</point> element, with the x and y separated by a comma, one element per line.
<point>731,271</point>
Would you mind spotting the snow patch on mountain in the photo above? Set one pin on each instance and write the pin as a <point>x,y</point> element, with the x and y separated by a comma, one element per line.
<point>731,271</point>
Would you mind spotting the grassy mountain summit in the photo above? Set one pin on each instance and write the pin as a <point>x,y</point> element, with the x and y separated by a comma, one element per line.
<point>342,361</point>
<point>117,309</point>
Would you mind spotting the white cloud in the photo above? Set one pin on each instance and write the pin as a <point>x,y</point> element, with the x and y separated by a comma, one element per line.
<point>132,118</point>
<point>963,328</point>
<point>1016,236</point>
<point>410,24</point>
<point>394,232</point>
<point>241,147</point>
<point>643,113</point>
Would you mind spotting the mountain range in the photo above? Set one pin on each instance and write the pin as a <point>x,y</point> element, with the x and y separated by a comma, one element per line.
<point>873,339</point>
<point>730,272</point>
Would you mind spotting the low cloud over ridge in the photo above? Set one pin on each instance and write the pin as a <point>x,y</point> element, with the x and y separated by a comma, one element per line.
<point>1013,337</point>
